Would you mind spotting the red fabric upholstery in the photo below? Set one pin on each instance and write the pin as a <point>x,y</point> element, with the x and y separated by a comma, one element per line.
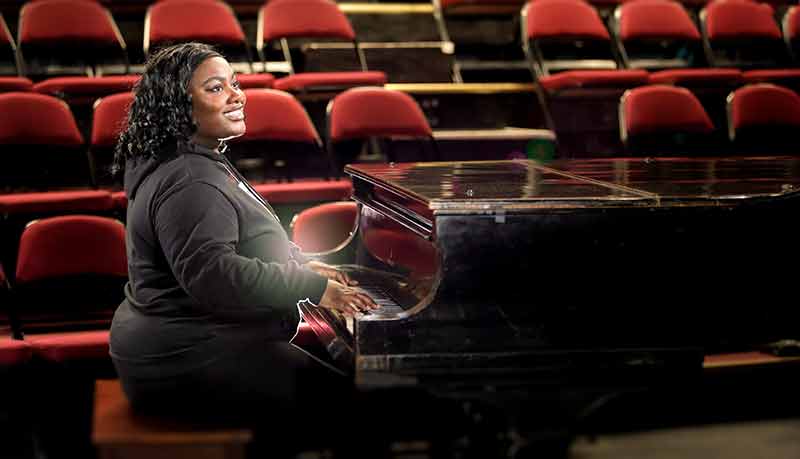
<point>10,84</point>
<point>791,23</point>
<point>71,245</point>
<point>305,336</point>
<point>110,115</point>
<point>450,3</point>
<point>3,278</point>
<point>38,120</point>
<point>564,18</point>
<point>304,18</point>
<point>5,34</point>
<point>277,115</point>
<point>71,346</point>
<point>305,191</point>
<point>690,77</point>
<point>364,112</point>
<point>771,75</point>
<point>55,202</point>
<point>200,20</point>
<point>740,19</point>
<point>301,81</point>
<point>14,352</point>
<point>655,19</point>
<point>398,247</point>
<point>594,79</point>
<point>47,21</point>
<point>119,200</point>
<point>659,108</point>
<point>93,86</point>
<point>763,105</point>
<point>255,80</point>
<point>324,227</point>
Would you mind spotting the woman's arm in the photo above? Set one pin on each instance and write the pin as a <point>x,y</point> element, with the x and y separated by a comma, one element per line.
<point>198,229</point>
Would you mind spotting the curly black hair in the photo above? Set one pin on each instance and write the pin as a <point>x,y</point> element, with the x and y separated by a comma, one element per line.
<point>161,112</point>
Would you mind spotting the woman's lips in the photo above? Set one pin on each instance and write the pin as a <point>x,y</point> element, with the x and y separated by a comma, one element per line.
<point>235,115</point>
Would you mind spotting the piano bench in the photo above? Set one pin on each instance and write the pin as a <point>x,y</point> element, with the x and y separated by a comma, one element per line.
<point>119,433</point>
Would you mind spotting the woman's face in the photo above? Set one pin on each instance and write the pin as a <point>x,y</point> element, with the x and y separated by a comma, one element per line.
<point>217,103</point>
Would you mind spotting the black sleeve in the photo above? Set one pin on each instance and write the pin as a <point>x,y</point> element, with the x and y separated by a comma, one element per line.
<point>198,230</point>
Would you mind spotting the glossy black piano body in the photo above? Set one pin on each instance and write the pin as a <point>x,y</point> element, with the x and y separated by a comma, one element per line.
<point>502,265</point>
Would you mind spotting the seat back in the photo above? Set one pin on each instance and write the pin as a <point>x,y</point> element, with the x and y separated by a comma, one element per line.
<point>41,142</point>
<point>791,31</point>
<point>280,135</point>
<point>325,227</point>
<point>565,35</point>
<point>742,34</point>
<point>373,112</point>
<point>51,44</point>
<point>70,272</point>
<point>663,120</point>
<point>303,19</point>
<point>110,115</point>
<point>656,34</point>
<point>209,21</point>
<point>764,119</point>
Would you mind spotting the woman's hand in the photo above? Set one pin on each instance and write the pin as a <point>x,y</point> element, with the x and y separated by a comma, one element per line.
<point>347,300</point>
<point>330,272</point>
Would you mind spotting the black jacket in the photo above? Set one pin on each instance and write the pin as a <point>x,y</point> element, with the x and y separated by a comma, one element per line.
<point>208,262</point>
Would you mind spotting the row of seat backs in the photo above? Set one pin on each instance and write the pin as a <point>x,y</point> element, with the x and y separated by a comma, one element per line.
<point>760,117</point>
<point>47,28</point>
<point>273,116</point>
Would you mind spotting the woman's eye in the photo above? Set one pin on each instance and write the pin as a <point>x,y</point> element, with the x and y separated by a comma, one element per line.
<point>216,88</point>
<point>236,84</point>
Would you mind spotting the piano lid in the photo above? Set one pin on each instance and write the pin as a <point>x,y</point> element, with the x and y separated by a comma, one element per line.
<point>518,186</point>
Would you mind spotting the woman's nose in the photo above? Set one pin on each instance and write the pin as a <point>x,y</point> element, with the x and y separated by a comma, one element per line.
<point>237,95</point>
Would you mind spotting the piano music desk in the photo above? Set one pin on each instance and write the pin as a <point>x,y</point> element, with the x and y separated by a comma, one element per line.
<point>119,433</point>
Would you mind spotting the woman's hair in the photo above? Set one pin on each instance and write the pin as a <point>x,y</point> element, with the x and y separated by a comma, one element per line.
<point>161,112</point>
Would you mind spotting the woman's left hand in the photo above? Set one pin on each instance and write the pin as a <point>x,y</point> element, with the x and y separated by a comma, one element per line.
<point>330,272</point>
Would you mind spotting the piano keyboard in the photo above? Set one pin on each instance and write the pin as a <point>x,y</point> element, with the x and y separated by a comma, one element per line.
<point>388,306</point>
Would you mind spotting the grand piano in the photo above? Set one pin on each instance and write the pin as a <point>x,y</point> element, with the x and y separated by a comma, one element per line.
<point>507,267</point>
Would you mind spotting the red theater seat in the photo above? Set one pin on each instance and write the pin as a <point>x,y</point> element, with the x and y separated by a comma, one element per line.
<point>576,79</point>
<point>742,34</point>
<point>764,119</point>
<point>14,352</point>
<point>53,202</point>
<point>361,113</point>
<point>649,114</point>
<point>69,274</point>
<point>44,129</point>
<point>48,33</point>
<point>108,121</point>
<point>311,19</point>
<point>280,132</point>
<point>324,227</point>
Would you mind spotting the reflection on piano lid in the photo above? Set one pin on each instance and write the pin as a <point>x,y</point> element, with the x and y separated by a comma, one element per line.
<point>495,265</point>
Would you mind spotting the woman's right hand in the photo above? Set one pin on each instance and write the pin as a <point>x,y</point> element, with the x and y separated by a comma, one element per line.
<point>348,300</point>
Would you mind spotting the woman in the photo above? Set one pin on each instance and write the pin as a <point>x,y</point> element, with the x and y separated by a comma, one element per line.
<point>214,282</point>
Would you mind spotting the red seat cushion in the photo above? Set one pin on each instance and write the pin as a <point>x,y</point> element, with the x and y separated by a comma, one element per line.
<point>71,346</point>
<point>277,115</point>
<point>764,105</point>
<point>359,113</point>
<point>8,84</point>
<point>740,19</point>
<point>655,19</point>
<point>14,352</point>
<point>38,119</point>
<point>305,191</point>
<point>564,19</point>
<point>301,81</point>
<point>594,79</point>
<point>56,201</point>
<point>255,80</point>
<point>304,18</point>
<point>199,20</point>
<point>696,77</point>
<point>771,75</point>
<point>119,200</point>
<point>50,21</point>
<point>110,116</point>
<point>86,86</point>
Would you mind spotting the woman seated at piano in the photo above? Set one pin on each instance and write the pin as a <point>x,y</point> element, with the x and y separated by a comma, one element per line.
<point>214,282</point>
